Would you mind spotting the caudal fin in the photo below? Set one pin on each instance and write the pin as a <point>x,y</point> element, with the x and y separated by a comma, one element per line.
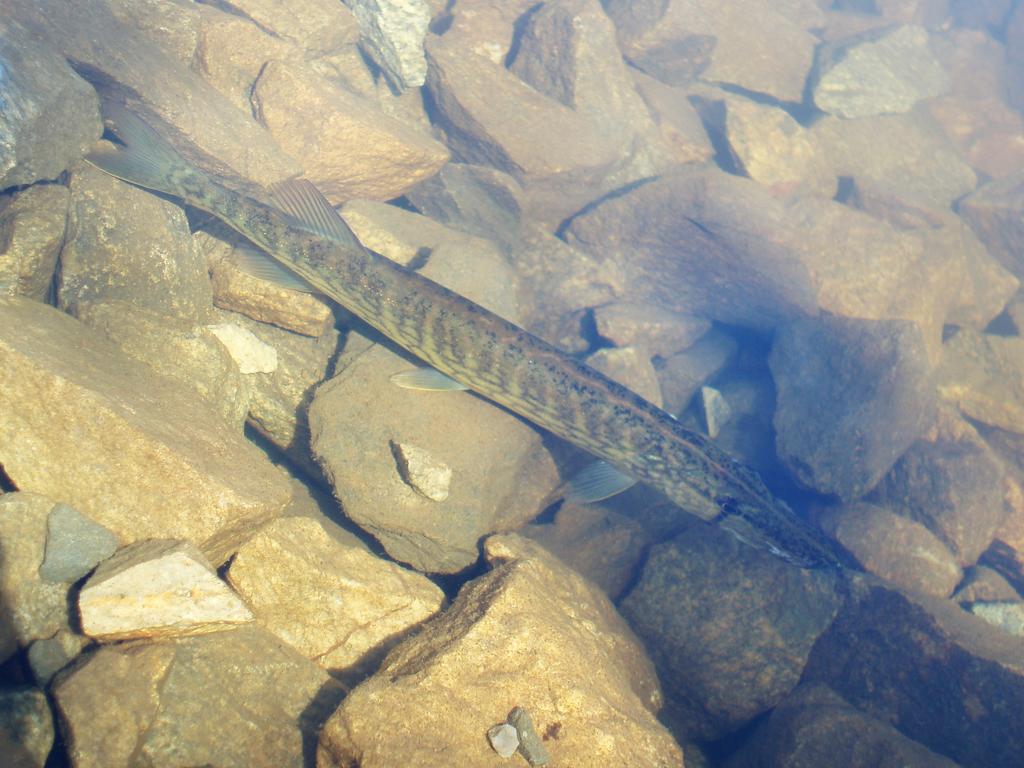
<point>143,157</point>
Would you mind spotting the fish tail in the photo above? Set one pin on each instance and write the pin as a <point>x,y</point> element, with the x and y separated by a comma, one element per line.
<point>144,158</point>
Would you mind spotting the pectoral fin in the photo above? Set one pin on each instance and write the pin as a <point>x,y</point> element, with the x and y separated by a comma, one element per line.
<point>427,379</point>
<point>595,482</point>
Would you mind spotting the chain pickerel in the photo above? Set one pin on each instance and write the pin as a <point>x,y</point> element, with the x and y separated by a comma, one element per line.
<point>475,347</point>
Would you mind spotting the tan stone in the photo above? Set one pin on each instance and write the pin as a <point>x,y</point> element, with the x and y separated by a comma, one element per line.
<point>676,118</point>
<point>336,604</point>
<point>132,450</point>
<point>983,375</point>
<point>662,332</point>
<point>157,588</point>
<point>317,26</point>
<point>32,224</point>
<point>348,147</point>
<point>631,367</point>
<point>530,633</point>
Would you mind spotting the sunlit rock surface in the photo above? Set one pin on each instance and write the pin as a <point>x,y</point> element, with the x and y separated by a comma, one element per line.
<point>529,633</point>
<point>129,448</point>
<point>983,375</point>
<point>32,224</point>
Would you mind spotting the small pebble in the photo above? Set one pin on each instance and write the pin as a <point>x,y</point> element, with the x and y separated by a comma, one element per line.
<point>530,745</point>
<point>504,739</point>
<point>716,410</point>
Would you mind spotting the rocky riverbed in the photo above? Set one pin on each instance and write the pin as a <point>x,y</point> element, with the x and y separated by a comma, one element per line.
<point>228,539</point>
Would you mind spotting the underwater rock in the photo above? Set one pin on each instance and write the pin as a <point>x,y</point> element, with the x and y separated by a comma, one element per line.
<point>391,33</point>
<point>1006,615</point>
<point>335,603</point>
<point>32,224</point>
<point>952,486</point>
<point>852,396</point>
<point>129,448</point>
<point>888,71</point>
<point>34,608</point>
<point>50,655</point>
<point>317,27</point>
<point>631,367</point>
<point>487,28</point>
<point>894,548</point>
<point>176,700</point>
<point>814,726</point>
<point>349,147</point>
<point>504,739</point>
<point>994,213</point>
<point>249,353</point>
<point>715,411</point>
<point>157,588</point>
<point>421,472</point>
<point>530,633</point>
<point>500,470</point>
<point>531,747</point>
<point>682,374</point>
<point>729,627</point>
<point>675,118</point>
<point>983,375</point>
<point>26,727</point>
<point>757,45</point>
<point>941,676</point>
<point>908,152</point>
<point>51,115</point>
<point>658,330</point>
<point>981,583</point>
<point>74,545</point>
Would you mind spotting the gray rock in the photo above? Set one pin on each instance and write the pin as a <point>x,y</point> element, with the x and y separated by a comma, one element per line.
<point>941,676</point>
<point>32,224</point>
<point>530,745</point>
<point>50,115</point>
<point>729,628</point>
<point>716,410</point>
<point>50,655</point>
<point>658,330</point>
<point>1008,616</point>
<point>814,726</point>
<point>504,739</point>
<point>887,72</point>
<point>392,32</point>
<point>852,396</point>
<point>74,545</point>
<point>26,727</point>
<point>683,373</point>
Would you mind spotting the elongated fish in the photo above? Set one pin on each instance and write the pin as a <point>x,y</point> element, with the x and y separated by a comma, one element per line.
<point>475,347</point>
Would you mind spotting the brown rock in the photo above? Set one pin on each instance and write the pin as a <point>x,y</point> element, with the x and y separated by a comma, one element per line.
<point>26,727</point>
<point>676,119</point>
<point>631,367</point>
<point>984,584</point>
<point>759,46</point>
<point>814,726</point>
<point>994,213</point>
<point>317,26</point>
<point>176,701</point>
<point>939,675</point>
<point>894,548</point>
<point>338,605</point>
<point>660,331</point>
<point>683,373</point>
<point>729,627</point>
<point>983,375</point>
<point>129,448</point>
<point>32,224</point>
<point>484,27</point>
<point>500,472</point>
<point>348,146</point>
<point>157,588</point>
<point>33,607</point>
<point>171,26</point>
<point>530,633</point>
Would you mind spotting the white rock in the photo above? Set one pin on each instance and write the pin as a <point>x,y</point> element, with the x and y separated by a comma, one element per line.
<point>504,739</point>
<point>157,588</point>
<point>392,32</point>
<point>422,472</point>
<point>251,354</point>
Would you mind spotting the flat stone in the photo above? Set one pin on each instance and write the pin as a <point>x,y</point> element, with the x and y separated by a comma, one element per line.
<point>983,375</point>
<point>349,146</point>
<point>336,604</point>
<point>852,396</point>
<point>952,486</point>
<point>939,675</point>
<point>895,548</point>
<point>51,115</point>
<point>884,72</point>
<point>26,727</point>
<point>33,608</point>
<point>155,702</point>
<point>552,643</point>
<point>814,726</point>
<point>392,32</point>
<point>130,449</point>
<point>74,545</point>
<point>729,628</point>
<point>658,330</point>
<point>32,224</point>
<point>154,589</point>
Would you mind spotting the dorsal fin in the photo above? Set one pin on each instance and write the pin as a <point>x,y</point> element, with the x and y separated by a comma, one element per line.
<point>311,211</point>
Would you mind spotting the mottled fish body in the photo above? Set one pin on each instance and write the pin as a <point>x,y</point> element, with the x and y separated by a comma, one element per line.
<point>477,348</point>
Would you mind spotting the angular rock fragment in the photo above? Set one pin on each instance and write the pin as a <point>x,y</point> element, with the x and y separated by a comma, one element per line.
<point>631,367</point>
<point>392,32</point>
<point>421,472</point>
<point>981,583</point>
<point>994,213</point>
<point>34,608</point>
<point>676,119</point>
<point>249,353</point>
<point>983,375</point>
<point>51,115</point>
<point>729,628</point>
<point>50,655</point>
<point>1006,615</point>
<point>894,548</point>
<point>886,72</point>
<point>660,331</point>
<point>26,727</point>
<point>939,675</point>
<point>317,26</point>
<point>336,604</point>
<point>132,450</point>
<point>530,633</point>
<point>74,545</point>
<point>255,689</point>
<point>683,373</point>
<point>814,726</point>
<point>32,225</point>
<point>852,396</point>
<point>154,589</point>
